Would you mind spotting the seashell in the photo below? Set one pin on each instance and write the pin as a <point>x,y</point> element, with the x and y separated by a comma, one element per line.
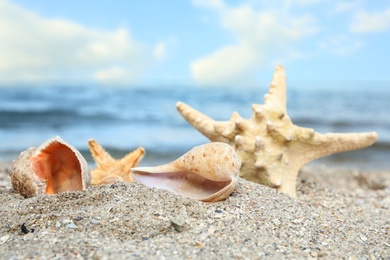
<point>53,167</point>
<point>207,172</point>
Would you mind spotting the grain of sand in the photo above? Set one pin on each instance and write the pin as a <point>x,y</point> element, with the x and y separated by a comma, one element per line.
<point>339,213</point>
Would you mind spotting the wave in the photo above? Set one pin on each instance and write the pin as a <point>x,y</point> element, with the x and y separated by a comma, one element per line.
<point>58,118</point>
<point>45,118</point>
<point>148,116</point>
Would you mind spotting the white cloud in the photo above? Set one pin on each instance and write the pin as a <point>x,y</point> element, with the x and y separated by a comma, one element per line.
<point>115,76</point>
<point>342,7</point>
<point>159,50</point>
<point>33,48</point>
<point>227,65</point>
<point>341,45</point>
<point>260,36</point>
<point>209,3</point>
<point>302,2</point>
<point>364,22</point>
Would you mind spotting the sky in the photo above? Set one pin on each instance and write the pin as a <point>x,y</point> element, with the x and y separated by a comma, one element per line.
<point>198,42</point>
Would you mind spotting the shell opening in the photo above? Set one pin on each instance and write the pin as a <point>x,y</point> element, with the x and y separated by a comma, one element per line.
<point>59,167</point>
<point>185,183</point>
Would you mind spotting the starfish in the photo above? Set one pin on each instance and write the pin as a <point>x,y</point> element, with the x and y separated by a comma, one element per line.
<point>271,147</point>
<point>110,170</point>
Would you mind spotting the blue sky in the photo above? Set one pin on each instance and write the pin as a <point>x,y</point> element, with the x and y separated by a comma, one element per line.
<point>198,42</point>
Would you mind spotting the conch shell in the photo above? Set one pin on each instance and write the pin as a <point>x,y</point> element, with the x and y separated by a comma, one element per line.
<point>53,167</point>
<point>208,173</point>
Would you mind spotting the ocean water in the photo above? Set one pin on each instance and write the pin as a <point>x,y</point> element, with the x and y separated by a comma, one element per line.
<point>122,119</point>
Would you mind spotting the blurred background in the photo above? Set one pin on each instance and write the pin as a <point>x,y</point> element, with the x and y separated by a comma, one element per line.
<point>114,70</point>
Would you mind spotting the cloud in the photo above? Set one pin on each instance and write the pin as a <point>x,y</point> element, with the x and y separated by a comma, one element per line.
<point>341,45</point>
<point>115,76</point>
<point>227,65</point>
<point>260,35</point>
<point>209,3</point>
<point>342,7</point>
<point>33,48</point>
<point>364,22</point>
<point>159,50</point>
<point>302,2</point>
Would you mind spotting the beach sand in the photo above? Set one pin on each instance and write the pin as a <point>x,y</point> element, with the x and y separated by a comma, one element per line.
<point>339,213</point>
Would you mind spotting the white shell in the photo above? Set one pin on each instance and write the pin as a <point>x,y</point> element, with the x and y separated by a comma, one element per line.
<point>55,166</point>
<point>208,172</point>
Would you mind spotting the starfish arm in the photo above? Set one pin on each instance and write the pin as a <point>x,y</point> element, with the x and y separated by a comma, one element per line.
<point>284,178</point>
<point>202,123</point>
<point>327,144</point>
<point>277,92</point>
<point>102,158</point>
<point>224,129</point>
<point>133,158</point>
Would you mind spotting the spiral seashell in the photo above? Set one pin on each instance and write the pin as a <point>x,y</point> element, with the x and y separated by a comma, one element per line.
<point>208,172</point>
<point>53,167</point>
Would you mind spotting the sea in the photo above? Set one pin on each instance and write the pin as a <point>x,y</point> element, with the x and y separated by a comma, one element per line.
<point>123,118</point>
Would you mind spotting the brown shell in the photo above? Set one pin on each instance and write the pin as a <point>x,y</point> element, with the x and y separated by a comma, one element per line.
<point>53,167</point>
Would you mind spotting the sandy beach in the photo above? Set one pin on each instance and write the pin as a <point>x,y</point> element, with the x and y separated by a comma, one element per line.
<point>339,213</point>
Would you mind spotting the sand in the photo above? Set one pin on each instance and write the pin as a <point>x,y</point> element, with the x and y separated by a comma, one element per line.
<point>339,213</point>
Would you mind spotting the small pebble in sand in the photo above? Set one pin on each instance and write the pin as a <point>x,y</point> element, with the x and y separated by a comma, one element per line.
<point>28,236</point>
<point>94,221</point>
<point>276,221</point>
<point>4,239</point>
<point>25,230</point>
<point>199,244</point>
<point>71,225</point>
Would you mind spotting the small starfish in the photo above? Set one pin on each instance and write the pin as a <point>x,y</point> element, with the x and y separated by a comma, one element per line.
<point>271,147</point>
<point>110,170</point>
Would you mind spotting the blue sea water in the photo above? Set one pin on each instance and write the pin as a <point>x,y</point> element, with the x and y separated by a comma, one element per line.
<point>122,119</point>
